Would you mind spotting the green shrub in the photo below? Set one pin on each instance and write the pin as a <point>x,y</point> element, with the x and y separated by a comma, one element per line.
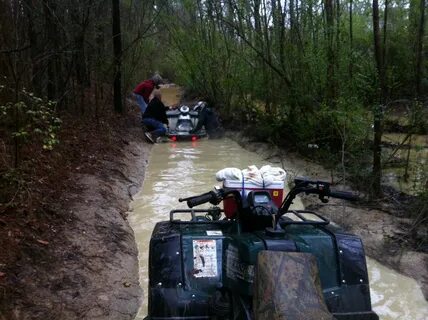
<point>30,120</point>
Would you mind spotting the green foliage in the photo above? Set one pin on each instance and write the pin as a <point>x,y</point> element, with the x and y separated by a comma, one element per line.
<point>418,118</point>
<point>266,128</point>
<point>324,133</point>
<point>418,210</point>
<point>299,81</point>
<point>31,120</point>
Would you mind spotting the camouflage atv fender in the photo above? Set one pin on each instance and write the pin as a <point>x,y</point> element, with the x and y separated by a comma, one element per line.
<point>287,286</point>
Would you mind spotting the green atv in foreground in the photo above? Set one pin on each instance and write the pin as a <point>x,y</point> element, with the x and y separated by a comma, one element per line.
<point>263,262</point>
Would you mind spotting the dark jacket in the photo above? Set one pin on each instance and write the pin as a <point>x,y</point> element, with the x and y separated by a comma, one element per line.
<point>209,120</point>
<point>156,110</point>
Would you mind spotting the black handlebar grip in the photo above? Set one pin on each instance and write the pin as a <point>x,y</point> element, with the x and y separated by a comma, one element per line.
<point>344,195</point>
<point>203,198</point>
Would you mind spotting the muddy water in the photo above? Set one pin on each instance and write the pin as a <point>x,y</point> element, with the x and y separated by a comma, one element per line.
<point>395,296</point>
<point>182,169</point>
<point>418,163</point>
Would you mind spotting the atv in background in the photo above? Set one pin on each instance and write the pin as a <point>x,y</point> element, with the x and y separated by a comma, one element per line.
<point>182,121</point>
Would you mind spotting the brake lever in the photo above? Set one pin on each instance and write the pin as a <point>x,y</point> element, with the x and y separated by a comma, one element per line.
<point>323,198</point>
<point>319,188</point>
<point>324,189</point>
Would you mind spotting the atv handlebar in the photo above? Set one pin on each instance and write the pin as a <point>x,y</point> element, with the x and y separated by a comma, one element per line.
<point>343,195</point>
<point>321,188</point>
<point>302,185</point>
<point>210,196</point>
<point>214,197</point>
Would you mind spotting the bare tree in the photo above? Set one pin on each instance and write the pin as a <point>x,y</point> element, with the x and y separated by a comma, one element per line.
<point>117,51</point>
<point>331,56</point>
<point>419,49</point>
<point>378,113</point>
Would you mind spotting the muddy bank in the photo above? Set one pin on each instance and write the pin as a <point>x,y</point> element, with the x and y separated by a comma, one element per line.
<point>88,267</point>
<point>378,229</point>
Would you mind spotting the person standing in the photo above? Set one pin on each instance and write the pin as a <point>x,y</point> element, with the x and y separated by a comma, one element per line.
<point>154,118</point>
<point>144,89</point>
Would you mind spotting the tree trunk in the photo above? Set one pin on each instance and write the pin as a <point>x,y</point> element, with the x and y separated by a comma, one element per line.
<point>36,76</point>
<point>406,168</point>
<point>52,36</point>
<point>117,51</point>
<point>419,49</point>
<point>351,43</point>
<point>282,34</point>
<point>378,112</point>
<point>385,26</point>
<point>337,56</point>
<point>331,76</point>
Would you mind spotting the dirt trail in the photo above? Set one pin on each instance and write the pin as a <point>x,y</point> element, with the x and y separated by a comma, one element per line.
<point>84,263</point>
<point>89,270</point>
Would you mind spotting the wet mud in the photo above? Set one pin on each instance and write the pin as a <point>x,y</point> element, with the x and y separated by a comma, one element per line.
<point>89,269</point>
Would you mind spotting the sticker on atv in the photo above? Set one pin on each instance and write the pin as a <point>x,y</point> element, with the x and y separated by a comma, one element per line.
<point>214,233</point>
<point>204,258</point>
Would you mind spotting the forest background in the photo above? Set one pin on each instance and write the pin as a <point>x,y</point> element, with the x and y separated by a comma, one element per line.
<point>324,78</point>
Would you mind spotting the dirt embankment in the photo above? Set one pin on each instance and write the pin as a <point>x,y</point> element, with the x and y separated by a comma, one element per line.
<point>86,265</point>
<point>380,229</point>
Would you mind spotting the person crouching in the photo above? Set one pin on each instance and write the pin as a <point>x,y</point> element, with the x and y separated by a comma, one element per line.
<point>154,118</point>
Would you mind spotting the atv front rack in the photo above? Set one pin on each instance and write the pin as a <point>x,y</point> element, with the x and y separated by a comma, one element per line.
<point>303,220</point>
<point>198,219</point>
<point>207,218</point>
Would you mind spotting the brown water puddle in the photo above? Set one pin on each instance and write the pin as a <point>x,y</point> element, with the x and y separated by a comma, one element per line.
<point>418,163</point>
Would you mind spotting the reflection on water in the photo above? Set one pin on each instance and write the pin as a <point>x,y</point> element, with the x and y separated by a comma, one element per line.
<point>187,168</point>
<point>395,296</point>
<point>418,162</point>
